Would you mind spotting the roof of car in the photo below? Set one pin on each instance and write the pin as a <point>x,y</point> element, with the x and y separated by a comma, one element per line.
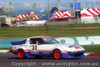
<point>39,36</point>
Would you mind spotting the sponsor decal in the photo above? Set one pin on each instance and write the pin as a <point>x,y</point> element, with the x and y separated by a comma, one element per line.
<point>77,47</point>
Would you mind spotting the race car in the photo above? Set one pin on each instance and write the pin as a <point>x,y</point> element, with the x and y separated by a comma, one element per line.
<point>39,46</point>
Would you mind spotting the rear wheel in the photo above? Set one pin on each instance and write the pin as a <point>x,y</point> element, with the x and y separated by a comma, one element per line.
<point>21,54</point>
<point>57,54</point>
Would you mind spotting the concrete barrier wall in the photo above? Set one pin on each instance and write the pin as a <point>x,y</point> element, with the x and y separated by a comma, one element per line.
<point>5,43</point>
<point>82,40</point>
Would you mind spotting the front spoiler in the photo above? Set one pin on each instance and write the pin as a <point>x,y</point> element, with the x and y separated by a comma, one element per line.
<point>73,55</point>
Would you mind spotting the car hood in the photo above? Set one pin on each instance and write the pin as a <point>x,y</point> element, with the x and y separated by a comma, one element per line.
<point>70,47</point>
<point>66,44</point>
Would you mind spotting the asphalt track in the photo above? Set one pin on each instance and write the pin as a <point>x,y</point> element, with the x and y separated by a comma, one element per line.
<point>11,60</point>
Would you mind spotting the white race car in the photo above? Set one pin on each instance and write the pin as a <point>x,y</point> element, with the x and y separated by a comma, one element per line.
<point>39,46</point>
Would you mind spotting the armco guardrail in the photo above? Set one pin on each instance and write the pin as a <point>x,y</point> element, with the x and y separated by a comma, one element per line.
<point>82,40</point>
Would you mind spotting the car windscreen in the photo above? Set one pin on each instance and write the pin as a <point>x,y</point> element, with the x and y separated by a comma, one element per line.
<point>50,40</point>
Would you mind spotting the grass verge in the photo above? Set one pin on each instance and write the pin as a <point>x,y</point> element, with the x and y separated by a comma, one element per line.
<point>54,31</point>
<point>94,49</point>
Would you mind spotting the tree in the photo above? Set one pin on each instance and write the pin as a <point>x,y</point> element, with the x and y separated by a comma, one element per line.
<point>2,11</point>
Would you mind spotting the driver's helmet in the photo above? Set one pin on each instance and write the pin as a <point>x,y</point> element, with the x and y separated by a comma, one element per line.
<point>37,42</point>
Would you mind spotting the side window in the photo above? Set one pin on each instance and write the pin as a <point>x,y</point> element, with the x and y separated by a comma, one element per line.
<point>32,41</point>
<point>36,40</point>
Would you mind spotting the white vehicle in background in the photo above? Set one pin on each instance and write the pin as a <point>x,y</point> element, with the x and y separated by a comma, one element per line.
<point>46,46</point>
<point>36,23</point>
<point>31,23</point>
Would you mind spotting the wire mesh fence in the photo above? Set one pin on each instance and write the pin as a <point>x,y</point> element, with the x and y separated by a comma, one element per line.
<point>59,21</point>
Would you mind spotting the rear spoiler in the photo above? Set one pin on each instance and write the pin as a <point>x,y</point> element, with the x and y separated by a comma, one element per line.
<point>18,42</point>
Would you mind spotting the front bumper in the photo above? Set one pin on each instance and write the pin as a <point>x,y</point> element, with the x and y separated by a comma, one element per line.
<point>73,55</point>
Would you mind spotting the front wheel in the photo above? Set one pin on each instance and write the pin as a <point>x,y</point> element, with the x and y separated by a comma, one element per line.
<point>21,54</point>
<point>57,54</point>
